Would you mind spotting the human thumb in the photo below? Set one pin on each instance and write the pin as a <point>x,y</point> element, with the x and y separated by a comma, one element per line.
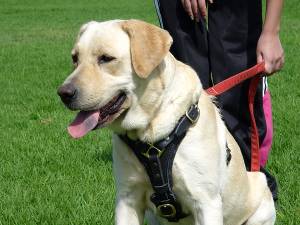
<point>259,57</point>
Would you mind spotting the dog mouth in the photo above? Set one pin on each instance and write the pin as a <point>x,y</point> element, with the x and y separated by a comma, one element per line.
<point>86,121</point>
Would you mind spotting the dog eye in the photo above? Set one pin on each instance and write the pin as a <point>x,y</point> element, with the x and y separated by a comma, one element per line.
<point>105,59</point>
<point>75,59</point>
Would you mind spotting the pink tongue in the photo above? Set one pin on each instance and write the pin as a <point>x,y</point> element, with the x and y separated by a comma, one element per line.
<point>83,123</point>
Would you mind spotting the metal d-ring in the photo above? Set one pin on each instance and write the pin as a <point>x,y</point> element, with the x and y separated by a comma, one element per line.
<point>165,207</point>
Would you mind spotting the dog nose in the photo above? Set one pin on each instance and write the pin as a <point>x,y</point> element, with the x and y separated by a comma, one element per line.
<point>67,92</point>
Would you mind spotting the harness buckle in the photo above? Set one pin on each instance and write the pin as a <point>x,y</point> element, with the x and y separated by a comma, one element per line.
<point>159,152</point>
<point>194,115</point>
<point>166,210</point>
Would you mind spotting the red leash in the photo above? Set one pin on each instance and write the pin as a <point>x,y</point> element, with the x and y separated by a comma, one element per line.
<point>255,73</point>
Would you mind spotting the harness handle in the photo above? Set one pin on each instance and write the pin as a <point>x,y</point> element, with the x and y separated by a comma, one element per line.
<point>255,73</point>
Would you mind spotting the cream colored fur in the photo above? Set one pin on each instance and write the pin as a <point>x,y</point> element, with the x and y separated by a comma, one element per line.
<point>160,89</point>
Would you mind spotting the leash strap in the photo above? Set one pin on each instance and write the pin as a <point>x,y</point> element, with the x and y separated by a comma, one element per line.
<point>236,79</point>
<point>158,160</point>
<point>255,156</point>
<point>255,73</point>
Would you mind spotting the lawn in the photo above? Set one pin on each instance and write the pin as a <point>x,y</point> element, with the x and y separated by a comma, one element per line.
<point>48,178</point>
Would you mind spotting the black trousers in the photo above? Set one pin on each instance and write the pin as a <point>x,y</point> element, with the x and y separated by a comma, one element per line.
<point>216,49</point>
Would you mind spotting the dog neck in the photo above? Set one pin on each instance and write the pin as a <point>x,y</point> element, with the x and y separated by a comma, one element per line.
<point>160,101</point>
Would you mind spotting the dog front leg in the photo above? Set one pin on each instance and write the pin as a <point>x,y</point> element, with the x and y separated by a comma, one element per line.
<point>209,212</point>
<point>129,209</point>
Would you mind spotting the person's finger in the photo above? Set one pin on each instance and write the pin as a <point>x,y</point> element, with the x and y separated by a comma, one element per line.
<point>279,64</point>
<point>195,9</point>
<point>211,1</point>
<point>183,4</point>
<point>188,8</point>
<point>202,7</point>
<point>270,66</point>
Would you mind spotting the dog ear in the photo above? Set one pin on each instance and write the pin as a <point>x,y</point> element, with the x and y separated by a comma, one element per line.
<point>149,44</point>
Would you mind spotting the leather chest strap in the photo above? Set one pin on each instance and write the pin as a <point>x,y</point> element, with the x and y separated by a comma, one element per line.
<point>158,160</point>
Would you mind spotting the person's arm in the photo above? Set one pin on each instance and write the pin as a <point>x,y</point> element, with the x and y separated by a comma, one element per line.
<point>269,46</point>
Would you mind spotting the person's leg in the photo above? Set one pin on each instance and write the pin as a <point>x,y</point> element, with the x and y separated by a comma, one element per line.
<point>189,38</point>
<point>234,27</point>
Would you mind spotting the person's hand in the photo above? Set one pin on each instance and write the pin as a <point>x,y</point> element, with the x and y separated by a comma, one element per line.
<point>195,8</point>
<point>269,49</point>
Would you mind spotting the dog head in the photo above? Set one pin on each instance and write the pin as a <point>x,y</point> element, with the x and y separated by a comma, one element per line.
<point>108,57</point>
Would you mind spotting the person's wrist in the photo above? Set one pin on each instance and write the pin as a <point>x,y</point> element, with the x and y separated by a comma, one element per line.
<point>271,32</point>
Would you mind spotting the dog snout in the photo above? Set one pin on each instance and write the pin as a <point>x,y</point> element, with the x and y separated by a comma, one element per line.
<point>67,92</point>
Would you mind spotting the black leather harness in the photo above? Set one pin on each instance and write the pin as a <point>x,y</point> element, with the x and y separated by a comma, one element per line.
<point>158,160</point>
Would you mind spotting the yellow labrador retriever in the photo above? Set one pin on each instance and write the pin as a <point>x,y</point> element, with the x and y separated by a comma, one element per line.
<point>125,78</point>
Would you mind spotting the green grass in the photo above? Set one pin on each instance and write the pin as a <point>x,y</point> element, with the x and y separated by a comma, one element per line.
<point>48,178</point>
